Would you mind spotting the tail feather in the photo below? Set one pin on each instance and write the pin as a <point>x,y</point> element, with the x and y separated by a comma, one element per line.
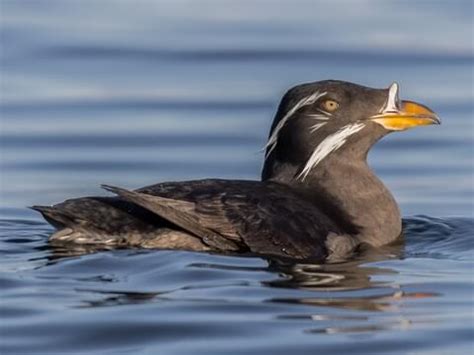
<point>56,217</point>
<point>71,228</point>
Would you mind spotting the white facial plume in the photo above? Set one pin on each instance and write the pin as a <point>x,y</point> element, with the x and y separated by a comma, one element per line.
<point>308,100</point>
<point>330,144</point>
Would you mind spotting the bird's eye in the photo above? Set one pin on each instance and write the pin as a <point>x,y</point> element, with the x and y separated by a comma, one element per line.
<point>330,105</point>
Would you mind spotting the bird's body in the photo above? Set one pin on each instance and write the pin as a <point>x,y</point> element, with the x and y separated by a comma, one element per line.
<point>318,199</point>
<point>223,215</point>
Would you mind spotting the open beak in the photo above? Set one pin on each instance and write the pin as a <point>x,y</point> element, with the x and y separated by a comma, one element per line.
<point>411,114</point>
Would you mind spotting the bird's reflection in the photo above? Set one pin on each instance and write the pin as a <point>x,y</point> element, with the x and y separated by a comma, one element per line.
<point>345,275</point>
<point>59,250</point>
<point>355,285</point>
<point>113,298</point>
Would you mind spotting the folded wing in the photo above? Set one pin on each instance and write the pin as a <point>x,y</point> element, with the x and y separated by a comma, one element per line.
<point>264,218</point>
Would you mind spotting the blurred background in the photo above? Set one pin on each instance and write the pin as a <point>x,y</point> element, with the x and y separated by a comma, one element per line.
<point>135,92</point>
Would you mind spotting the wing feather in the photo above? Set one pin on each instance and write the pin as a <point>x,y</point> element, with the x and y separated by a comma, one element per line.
<point>181,213</point>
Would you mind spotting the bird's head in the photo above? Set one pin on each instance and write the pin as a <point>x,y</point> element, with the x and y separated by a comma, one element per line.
<point>318,121</point>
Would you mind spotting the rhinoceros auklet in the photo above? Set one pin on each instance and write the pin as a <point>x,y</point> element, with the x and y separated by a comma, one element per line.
<point>318,199</point>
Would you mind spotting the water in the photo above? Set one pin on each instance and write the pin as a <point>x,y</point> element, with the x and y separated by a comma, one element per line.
<point>131,93</point>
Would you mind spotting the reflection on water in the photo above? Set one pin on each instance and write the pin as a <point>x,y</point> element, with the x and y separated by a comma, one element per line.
<point>132,93</point>
<point>145,294</point>
<point>345,276</point>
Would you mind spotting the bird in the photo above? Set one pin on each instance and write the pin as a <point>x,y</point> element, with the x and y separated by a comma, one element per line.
<point>317,198</point>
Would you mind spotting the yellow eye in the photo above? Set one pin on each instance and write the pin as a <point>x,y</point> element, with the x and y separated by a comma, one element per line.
<point>330,105</point>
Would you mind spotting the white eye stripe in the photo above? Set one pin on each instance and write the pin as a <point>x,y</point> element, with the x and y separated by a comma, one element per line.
<point>317,117</point>
<point>308,100</point>
<point>329,145</point>
<point>324,112</point>
<point>317,126</point>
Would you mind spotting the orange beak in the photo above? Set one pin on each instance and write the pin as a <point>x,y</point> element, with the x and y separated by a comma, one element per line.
<point>410,115</point>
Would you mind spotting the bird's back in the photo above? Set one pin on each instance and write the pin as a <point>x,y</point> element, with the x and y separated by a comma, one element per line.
<point>233,215</point>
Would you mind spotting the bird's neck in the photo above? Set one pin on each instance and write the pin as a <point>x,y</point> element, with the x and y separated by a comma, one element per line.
<point>353,194</point>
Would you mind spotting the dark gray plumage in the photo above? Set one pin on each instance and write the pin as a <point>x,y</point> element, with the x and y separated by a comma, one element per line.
<point>318,199</point>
